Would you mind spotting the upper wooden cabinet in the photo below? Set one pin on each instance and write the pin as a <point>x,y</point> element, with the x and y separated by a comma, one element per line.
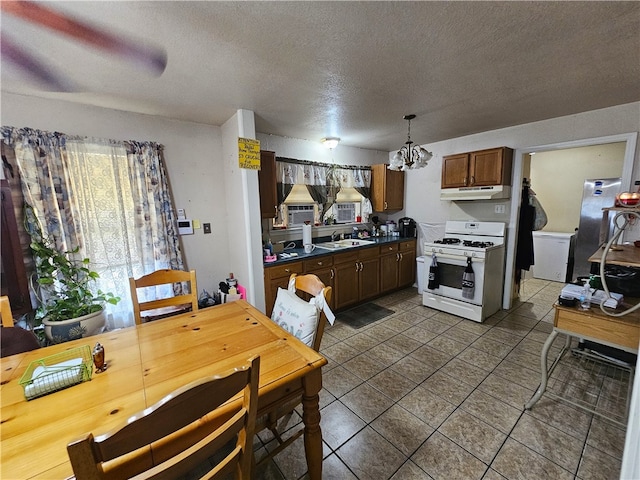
<point>387,189</point>
<point>267,184</point>
<point>477,169</point>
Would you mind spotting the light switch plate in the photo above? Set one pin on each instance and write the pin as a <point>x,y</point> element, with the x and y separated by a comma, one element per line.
<point>206,227</point>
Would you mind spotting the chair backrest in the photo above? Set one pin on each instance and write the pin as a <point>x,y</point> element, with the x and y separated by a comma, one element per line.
<point>14,339</point>
<point>163,277</point>
<point>5,312</point>
<point>312,286</point>
<point>167,440</point>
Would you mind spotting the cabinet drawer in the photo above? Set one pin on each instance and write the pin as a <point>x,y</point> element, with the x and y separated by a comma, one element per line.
<point>317,263</point>
<point>367,253</point>
<point>347,257</point>
<point>388,248</point>
<point>285,270</point>
<point>407,245</point>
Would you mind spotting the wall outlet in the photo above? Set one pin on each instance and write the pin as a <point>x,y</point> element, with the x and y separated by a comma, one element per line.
<point>206,227</point>
<point>500,208</point>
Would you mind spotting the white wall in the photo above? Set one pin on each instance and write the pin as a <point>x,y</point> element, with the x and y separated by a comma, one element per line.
<point>557,178</point>
<point>422,195</point>
<point>317,152</point>
<point>193,158</point>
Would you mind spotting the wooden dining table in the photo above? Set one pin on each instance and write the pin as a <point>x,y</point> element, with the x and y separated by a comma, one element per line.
<point>145,363</point>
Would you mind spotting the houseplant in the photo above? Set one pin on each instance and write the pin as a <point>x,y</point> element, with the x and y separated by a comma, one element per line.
<point>68,308</point>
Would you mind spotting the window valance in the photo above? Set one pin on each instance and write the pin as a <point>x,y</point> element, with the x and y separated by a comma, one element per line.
<point>323,180</point>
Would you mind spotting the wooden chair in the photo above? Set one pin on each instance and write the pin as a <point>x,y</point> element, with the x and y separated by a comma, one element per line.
<point>306,286</point>
<point>169,440</point>
<point>13,339</point>
<point>164,307</point>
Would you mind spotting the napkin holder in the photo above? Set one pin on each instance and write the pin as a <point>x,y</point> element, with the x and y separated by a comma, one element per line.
<point>58,371</point>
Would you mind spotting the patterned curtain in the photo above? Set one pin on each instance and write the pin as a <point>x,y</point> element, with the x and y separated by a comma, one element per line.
<point>109,198</point>
<point>286,176</point>
<point>362,185</point>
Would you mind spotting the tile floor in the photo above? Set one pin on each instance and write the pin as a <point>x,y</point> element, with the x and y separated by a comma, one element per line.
<point>423,394</point>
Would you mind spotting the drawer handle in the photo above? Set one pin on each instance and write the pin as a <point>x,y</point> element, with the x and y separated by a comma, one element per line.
<point>287,270</point>
<point>333,274</point>
<point>320,263</point>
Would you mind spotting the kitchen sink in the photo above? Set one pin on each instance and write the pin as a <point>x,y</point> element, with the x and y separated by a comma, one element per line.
<point>347,243</point>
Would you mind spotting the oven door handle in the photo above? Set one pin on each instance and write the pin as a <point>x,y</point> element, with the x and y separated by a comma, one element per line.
<point>462,258</point>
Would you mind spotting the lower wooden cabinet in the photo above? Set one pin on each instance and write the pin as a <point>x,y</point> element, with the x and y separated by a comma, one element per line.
<point>397,265</point>
<point>277,276</point>
<point>389,257</point>
<point>407,263</point>
<point>347,271</point>
<point>355,276</point>
<point>323,268</point>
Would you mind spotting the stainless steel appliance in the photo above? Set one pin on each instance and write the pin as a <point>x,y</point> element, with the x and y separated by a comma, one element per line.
<point>483,243</point>
<point>598,193</point>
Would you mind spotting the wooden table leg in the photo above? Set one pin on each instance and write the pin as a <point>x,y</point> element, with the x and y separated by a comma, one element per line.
<point>311,417</point>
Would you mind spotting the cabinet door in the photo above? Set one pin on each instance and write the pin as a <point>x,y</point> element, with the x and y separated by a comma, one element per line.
<point>346,284</point>
<point>272,291</point>
<point>387,189</point>
<point>388,272</point>
<point>407,268</point>
<point>322,268</point>
<point>394,190</point>
<point>486,167</point>
<point>455,170</point>
<point>369,278</point>
<point>267,184</point>
<point>277,276</point>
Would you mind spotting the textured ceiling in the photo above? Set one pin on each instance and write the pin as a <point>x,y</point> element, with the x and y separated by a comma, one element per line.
<point>350,69</point>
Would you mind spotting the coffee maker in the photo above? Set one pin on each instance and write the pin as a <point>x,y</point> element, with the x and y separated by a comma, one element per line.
<point>407,227</point>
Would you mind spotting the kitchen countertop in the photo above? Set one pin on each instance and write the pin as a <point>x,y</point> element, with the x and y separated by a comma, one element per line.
<point>320,252</point>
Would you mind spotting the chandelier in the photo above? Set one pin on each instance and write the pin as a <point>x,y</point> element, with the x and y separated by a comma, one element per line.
<point>409,156</point>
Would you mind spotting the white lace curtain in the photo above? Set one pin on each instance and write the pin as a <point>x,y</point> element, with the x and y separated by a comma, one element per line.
<point>110,198</point>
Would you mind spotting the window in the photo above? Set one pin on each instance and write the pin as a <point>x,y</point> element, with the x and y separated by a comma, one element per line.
<point>109,198</point>
<point>300,214</point>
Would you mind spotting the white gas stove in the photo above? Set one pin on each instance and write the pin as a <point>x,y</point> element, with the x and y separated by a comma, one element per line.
<point>481,244</point>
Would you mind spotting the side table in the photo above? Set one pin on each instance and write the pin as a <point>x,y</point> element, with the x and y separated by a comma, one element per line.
<point>618,332</point>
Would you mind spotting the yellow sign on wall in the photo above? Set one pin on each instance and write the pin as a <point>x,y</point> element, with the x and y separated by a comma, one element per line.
<point>249,153</point>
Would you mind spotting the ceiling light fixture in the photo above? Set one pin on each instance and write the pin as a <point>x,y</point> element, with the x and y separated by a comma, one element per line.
<point>410,156</point>
<point>330,142</point>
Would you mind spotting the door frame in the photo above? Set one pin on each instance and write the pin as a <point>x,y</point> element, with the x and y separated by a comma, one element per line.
<point>516,194</point>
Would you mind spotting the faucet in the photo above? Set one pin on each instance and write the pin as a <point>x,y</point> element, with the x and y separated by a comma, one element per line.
<point>333,236</point>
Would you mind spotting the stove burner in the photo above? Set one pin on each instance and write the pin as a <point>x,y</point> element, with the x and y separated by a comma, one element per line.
<point>448,241</point>
<point>477,244</point>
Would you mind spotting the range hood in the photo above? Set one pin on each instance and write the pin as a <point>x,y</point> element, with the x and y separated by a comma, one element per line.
<point>476,193</point>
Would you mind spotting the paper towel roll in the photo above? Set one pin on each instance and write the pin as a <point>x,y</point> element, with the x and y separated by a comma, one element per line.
<point>306,235</point>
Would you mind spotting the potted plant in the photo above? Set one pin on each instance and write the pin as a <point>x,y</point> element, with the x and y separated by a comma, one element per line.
<point>69,308</point>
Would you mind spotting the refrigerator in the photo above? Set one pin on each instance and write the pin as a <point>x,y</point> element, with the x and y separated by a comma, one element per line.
<point>598,193</point>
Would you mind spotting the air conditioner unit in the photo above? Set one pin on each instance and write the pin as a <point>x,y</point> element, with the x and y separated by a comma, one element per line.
<point>345,212</point>
<point>299,214</point>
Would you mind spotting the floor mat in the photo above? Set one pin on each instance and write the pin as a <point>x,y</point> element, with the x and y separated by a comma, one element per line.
<point>362,315</point>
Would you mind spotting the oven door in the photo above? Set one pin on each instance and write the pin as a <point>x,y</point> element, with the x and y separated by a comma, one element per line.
<point>451,268</point>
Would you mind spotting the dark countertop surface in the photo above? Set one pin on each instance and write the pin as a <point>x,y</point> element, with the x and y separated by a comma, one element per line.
<point>320,252</point>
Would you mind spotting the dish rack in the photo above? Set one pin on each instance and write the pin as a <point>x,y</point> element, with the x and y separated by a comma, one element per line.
<point>58,371</point>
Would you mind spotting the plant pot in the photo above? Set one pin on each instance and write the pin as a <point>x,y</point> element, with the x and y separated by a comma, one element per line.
<point>80,327</point>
